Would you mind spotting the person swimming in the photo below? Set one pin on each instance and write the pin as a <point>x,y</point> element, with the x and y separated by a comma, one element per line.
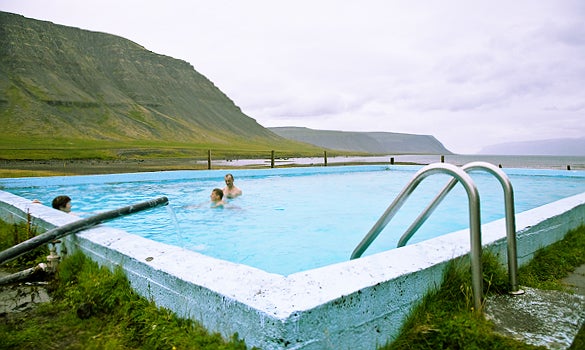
<point>62,203</point>
<point>216,197</point>
<point>231,190</point>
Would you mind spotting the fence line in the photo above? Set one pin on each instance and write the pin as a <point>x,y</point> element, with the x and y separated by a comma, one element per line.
<point>204,159</point>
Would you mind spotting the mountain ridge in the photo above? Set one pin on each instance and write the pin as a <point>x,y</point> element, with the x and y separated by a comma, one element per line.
<point>67,82</point>
<point>68,86</point>
<point>376,142</point>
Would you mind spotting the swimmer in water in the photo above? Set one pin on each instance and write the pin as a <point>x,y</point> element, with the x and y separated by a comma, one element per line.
<point>217,198</point>
<point>62,203</point>
<point>230,190</point>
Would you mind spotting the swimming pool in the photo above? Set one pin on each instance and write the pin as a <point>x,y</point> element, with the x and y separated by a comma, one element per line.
<point>355,304</point>
<point>295,219</point>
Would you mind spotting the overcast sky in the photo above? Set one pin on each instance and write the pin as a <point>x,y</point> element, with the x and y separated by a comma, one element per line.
<point>470,73</point>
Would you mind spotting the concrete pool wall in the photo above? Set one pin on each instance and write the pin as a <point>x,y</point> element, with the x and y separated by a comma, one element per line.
<point>358,304</point>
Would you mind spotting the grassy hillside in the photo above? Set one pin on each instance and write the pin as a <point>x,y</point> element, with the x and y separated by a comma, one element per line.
<point>66,89</point>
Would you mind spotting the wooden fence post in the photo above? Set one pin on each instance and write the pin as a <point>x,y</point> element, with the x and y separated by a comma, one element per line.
<point>208,159</point>
<point>272,159</point>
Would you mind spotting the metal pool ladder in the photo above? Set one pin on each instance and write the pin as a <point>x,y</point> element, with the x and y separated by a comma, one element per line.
<point>459,175</point>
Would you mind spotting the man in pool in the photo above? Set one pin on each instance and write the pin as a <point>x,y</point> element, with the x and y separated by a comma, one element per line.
<point>230,190</point>
<point>217,198</point>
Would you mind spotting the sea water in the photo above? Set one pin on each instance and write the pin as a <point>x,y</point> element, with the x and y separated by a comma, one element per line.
<point>289,222</point>
<point>532,162</point>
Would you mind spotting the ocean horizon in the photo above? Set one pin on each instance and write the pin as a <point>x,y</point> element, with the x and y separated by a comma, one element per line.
<point>504,161</point>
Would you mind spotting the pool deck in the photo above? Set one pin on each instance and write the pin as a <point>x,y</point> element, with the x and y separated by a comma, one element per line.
<point>546,318</point>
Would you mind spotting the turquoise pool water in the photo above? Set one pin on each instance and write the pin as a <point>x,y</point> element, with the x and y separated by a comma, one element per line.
<point>291,220</point>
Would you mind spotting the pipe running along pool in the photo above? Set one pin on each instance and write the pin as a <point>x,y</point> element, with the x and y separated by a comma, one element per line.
<point>76,226</point>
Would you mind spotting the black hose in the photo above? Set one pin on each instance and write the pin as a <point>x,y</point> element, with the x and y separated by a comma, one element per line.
<point>76,226</point>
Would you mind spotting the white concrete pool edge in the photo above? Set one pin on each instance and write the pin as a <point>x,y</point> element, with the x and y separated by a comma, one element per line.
<point>351,305</point>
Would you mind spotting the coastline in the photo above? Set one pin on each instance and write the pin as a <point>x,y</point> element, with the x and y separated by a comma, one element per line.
<point>29,168</point>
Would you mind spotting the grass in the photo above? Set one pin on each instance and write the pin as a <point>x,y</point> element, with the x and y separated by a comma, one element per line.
<point>12,234</point>
<point>555,262</point>
<point>10,173</point>
<point>444,319</point>
<point>12,148</point>
<point>138,159</point>
<point>96,308</point>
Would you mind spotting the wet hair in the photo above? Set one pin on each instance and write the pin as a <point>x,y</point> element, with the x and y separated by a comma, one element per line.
<point>228,175</point>
<point>60,202</point>
<point>218,192</point>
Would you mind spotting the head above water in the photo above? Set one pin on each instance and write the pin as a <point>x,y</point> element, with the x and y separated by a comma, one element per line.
<point>216,194</point>
<point>229,180</point>
<point>62,203</point>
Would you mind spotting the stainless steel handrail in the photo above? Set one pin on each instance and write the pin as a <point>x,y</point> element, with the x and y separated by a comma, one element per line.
<point>509,212</point>
<point>474,220</point>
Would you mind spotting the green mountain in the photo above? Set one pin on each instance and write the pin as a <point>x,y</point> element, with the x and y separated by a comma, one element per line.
<point>72,93</point>
<point>368,142</point>
<point>64,85</point>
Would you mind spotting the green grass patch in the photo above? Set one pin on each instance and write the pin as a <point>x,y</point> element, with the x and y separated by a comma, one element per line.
<point>12,173</point>
<point>13,234</point>
<point>93,308</point>
<point>445,320</point>
<point>555,262</point>
<point>13,148</point>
